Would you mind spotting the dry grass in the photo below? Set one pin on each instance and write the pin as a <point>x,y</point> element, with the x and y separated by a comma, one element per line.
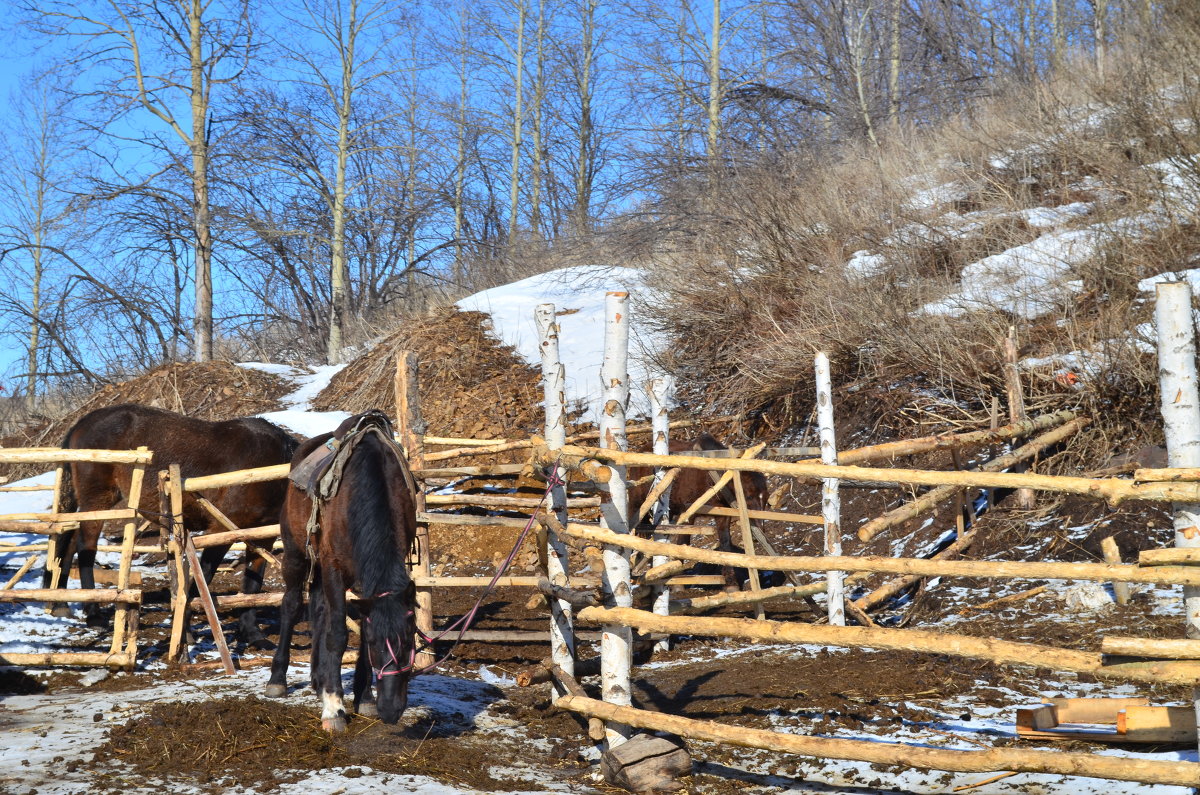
<point>753,281</point>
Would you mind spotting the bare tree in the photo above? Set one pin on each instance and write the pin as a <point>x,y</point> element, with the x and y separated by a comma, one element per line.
<point>36,158</point>
<point>165,58</point>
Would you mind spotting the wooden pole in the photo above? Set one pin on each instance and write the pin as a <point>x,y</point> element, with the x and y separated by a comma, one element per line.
<point>1001,652</point>
<point>123,620</point>
<point>992,569</point>
<point>1007,759</point>
<point>700,505</point>
<point>173,481</point>
<point>1180,407</point>
<point>933,498</point>
<point>889,451</point>
<point>661,392</point>
<point>21,572</point>
<point>616,643</point>
<point>1114,490</point>
<point>210,610</point>
<point>411,430</point>
<point>1112,554</point>
<point>52,561</point>
<point>1152,648</point>
<point>748,541</point>
<point>830,501</point>
<point>562,626</point>
<point>1016,402</point>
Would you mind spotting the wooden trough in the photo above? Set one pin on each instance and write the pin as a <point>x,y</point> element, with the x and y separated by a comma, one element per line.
<point>1115,720</point>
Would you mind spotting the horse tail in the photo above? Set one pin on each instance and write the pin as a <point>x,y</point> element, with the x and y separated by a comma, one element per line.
<point>67,503</point>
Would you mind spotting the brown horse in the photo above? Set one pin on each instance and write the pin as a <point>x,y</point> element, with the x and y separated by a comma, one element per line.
<point>199,447</point>
<point>691,484</point>
<point>349,522</point>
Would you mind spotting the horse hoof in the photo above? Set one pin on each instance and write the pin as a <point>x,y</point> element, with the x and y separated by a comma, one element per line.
<point>275,691</point>
<point>368,709</point>
<point>334,725</point>
<point>260,643</point>
<point>61,611</point>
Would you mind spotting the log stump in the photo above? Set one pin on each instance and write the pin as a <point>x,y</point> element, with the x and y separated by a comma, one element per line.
<point>647,763</point>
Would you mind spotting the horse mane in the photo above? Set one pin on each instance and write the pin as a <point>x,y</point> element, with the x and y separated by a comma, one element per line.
<point>379,558</point>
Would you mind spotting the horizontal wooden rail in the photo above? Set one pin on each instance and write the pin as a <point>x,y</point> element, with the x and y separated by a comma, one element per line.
<point>101,596</point>
<point>1153,648</point>
<point>55,455</point>
<point>1169,557</point>
<point>885,753</point>
<point>89,659</point>
<point>230,536</point>
<point>78,516</point>
<point>1114,490</point>
<point>994,569</point>
<point>764,516</point>
<point>1002,652</point>
<point>26,488</point>
<point>502,501</point>
<point>889,451</point>
<point>239,478</point>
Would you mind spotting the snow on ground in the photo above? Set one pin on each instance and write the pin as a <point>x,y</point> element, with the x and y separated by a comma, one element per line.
<point>578,297</point>
<point>309,383</point>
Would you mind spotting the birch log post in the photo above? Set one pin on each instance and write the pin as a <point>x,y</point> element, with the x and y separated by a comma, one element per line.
<point>562,635</point>
<point>1016,402</point>
<point>616,640</point>
<point>412,433</point>
<point>1180,396</point>
<point>661,391</point>
<point>125,621</point>
<point>830,501</point>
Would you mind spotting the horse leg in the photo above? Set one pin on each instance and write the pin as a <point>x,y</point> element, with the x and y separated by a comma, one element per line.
<point>289,611</point>
<point>252,583</point>
<point>364,696</point>
<point>725,544</point>
<point>86,540</point>
<point>333,707</point>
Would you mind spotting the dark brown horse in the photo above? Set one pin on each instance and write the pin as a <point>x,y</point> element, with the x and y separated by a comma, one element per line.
<point>199,447</point>
<point>357,535</point>
<point>691,484</point>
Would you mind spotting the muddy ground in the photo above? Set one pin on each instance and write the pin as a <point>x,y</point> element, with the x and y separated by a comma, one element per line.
<point>500,737</point>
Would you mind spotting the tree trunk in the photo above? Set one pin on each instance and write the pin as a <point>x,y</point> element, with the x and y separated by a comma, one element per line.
<point>714,89</point>
<point>583,167</point>
<point>518,82</point>
<point>339,270</point>
<point>201,214</point>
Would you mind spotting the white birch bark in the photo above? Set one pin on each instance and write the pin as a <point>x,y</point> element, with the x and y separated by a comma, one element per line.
<point>616,641</point>
<point>562,634</point>
<point>831,506</point>
<point>661,391</point>
<point>1180,398</point>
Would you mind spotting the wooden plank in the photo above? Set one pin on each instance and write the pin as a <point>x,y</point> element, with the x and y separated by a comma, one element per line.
<point>1145,724</point>
<point>1093,710</point>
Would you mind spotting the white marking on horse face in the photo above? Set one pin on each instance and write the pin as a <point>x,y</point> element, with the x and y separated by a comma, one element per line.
<point>331,706</point>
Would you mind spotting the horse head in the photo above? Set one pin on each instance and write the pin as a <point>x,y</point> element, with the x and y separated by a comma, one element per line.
<point>391,645</point>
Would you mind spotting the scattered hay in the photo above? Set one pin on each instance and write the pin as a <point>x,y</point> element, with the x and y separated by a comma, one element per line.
<point>256,744</point>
